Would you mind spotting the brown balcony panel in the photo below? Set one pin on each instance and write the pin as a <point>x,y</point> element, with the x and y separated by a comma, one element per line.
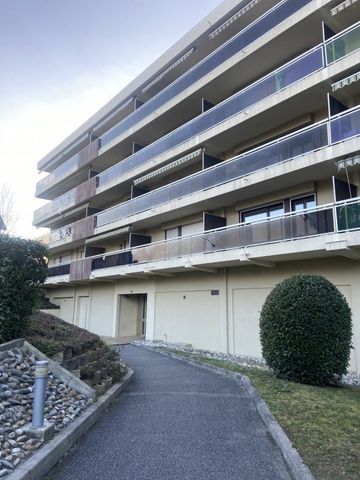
<point>83,228</point>
<point>80,270</point>
<point>88,154</point>
<point>85,190</point>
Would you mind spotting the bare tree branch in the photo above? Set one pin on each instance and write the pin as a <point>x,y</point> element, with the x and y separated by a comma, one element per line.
<point>7,207</point>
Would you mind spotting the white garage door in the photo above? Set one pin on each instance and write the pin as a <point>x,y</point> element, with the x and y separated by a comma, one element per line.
<point>66,305</point>
<point>83,312</point>
<point>247,304</point>
<point>188,317</point>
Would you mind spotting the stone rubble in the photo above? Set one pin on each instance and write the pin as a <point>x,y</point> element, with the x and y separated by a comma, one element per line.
<point>349,379</point>
<point>63,405</point>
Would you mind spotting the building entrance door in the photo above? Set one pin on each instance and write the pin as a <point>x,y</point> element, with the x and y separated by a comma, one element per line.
<point>132,315</point>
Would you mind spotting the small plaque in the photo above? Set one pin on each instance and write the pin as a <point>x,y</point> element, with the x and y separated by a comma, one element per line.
<point>215,292</point>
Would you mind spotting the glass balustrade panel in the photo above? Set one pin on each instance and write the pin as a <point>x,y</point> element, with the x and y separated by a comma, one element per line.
<point>290,147</point>
<point>255,30</point>
<point>282,78</point>
<point>343,45</point>
<point>345,126</point>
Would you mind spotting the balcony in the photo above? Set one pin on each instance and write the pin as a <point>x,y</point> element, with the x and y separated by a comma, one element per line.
<point>310,139</point>
<point>281,78</point>
<point>296,70</point>
<point>342,44</point>
<point>278,80</point>
<point>315,222</point>
<point>71,166</point>
<point>61,269</point>
<point>252,32</point>
<point>255,30</point>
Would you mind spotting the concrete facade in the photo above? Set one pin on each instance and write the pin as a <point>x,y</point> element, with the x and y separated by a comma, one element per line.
<point>228,165</point>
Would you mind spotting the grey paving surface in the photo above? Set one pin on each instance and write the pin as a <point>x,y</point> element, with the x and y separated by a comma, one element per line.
<point>176,421</point>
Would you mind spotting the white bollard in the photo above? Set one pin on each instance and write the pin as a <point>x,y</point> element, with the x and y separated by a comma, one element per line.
<point>41,376</point>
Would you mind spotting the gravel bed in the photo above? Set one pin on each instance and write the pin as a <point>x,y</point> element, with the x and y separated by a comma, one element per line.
<point>241,360</point>
<point>63,405</point>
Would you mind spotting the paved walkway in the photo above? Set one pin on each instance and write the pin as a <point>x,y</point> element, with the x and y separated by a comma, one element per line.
<point>175,422</point>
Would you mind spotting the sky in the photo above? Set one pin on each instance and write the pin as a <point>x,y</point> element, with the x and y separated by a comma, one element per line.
<point>62,60</point>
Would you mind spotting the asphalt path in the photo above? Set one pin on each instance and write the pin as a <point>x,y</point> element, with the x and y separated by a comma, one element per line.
<point>175,421</point>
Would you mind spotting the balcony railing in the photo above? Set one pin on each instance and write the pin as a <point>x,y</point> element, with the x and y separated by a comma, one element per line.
<point>348,216</point>
<point>62,269</point>
<point>306,140</point>
<point>55,206</point>
<point>81,159</point>
<point>287,227</point>
<point>291,146</point>
<point>298,144</point>
<point>252,32</point>
<point>281,78</point>
<point>343,44</point>
<point>335,48</point>
<point>339,217</point>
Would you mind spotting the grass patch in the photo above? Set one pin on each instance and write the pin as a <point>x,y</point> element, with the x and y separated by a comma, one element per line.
<point>323,423</point>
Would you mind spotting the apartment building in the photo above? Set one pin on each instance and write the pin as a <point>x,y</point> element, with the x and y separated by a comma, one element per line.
<point>229,164</point>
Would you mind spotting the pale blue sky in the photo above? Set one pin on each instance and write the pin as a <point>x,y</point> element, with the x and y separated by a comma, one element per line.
<point>61,60</point>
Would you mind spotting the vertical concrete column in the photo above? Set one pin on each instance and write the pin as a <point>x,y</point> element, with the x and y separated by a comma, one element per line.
<point>224,317</point>
<point>150,317</point>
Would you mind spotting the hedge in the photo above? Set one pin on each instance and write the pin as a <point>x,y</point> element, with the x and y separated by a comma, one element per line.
<point>22,272</point>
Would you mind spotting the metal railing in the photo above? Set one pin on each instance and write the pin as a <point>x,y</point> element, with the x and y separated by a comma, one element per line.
<point>69,167</point>
<point>291,226</point>
<point>290,146</point>
<point>342,44</point>
<point>281,78</point>
<point>306,140</point>
<point>313,222</point>
<point>234,45</point>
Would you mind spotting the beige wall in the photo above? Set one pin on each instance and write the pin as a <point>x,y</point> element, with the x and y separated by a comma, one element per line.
<point>183,308</point>
<point>189,317</point>
<point>248,287</point>
<point>102,307</point>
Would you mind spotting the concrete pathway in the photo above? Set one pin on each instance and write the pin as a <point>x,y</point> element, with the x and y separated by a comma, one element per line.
<point>176,421</point>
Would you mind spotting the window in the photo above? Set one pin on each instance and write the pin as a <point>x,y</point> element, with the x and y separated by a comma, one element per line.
<point>263,213</point>
<point>173,233</point>
<point>302,203</point>
<point>183,230</point>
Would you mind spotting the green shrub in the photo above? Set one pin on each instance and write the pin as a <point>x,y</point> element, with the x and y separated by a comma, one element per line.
<point>305,330</point>
<point>52,335</point>
<point>22,272</point>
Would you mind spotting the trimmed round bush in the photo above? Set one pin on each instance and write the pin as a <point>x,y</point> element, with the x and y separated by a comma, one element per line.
<point>305,330</point>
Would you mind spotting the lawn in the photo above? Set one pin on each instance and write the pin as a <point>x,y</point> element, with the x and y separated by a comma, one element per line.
<point>323,423</point>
